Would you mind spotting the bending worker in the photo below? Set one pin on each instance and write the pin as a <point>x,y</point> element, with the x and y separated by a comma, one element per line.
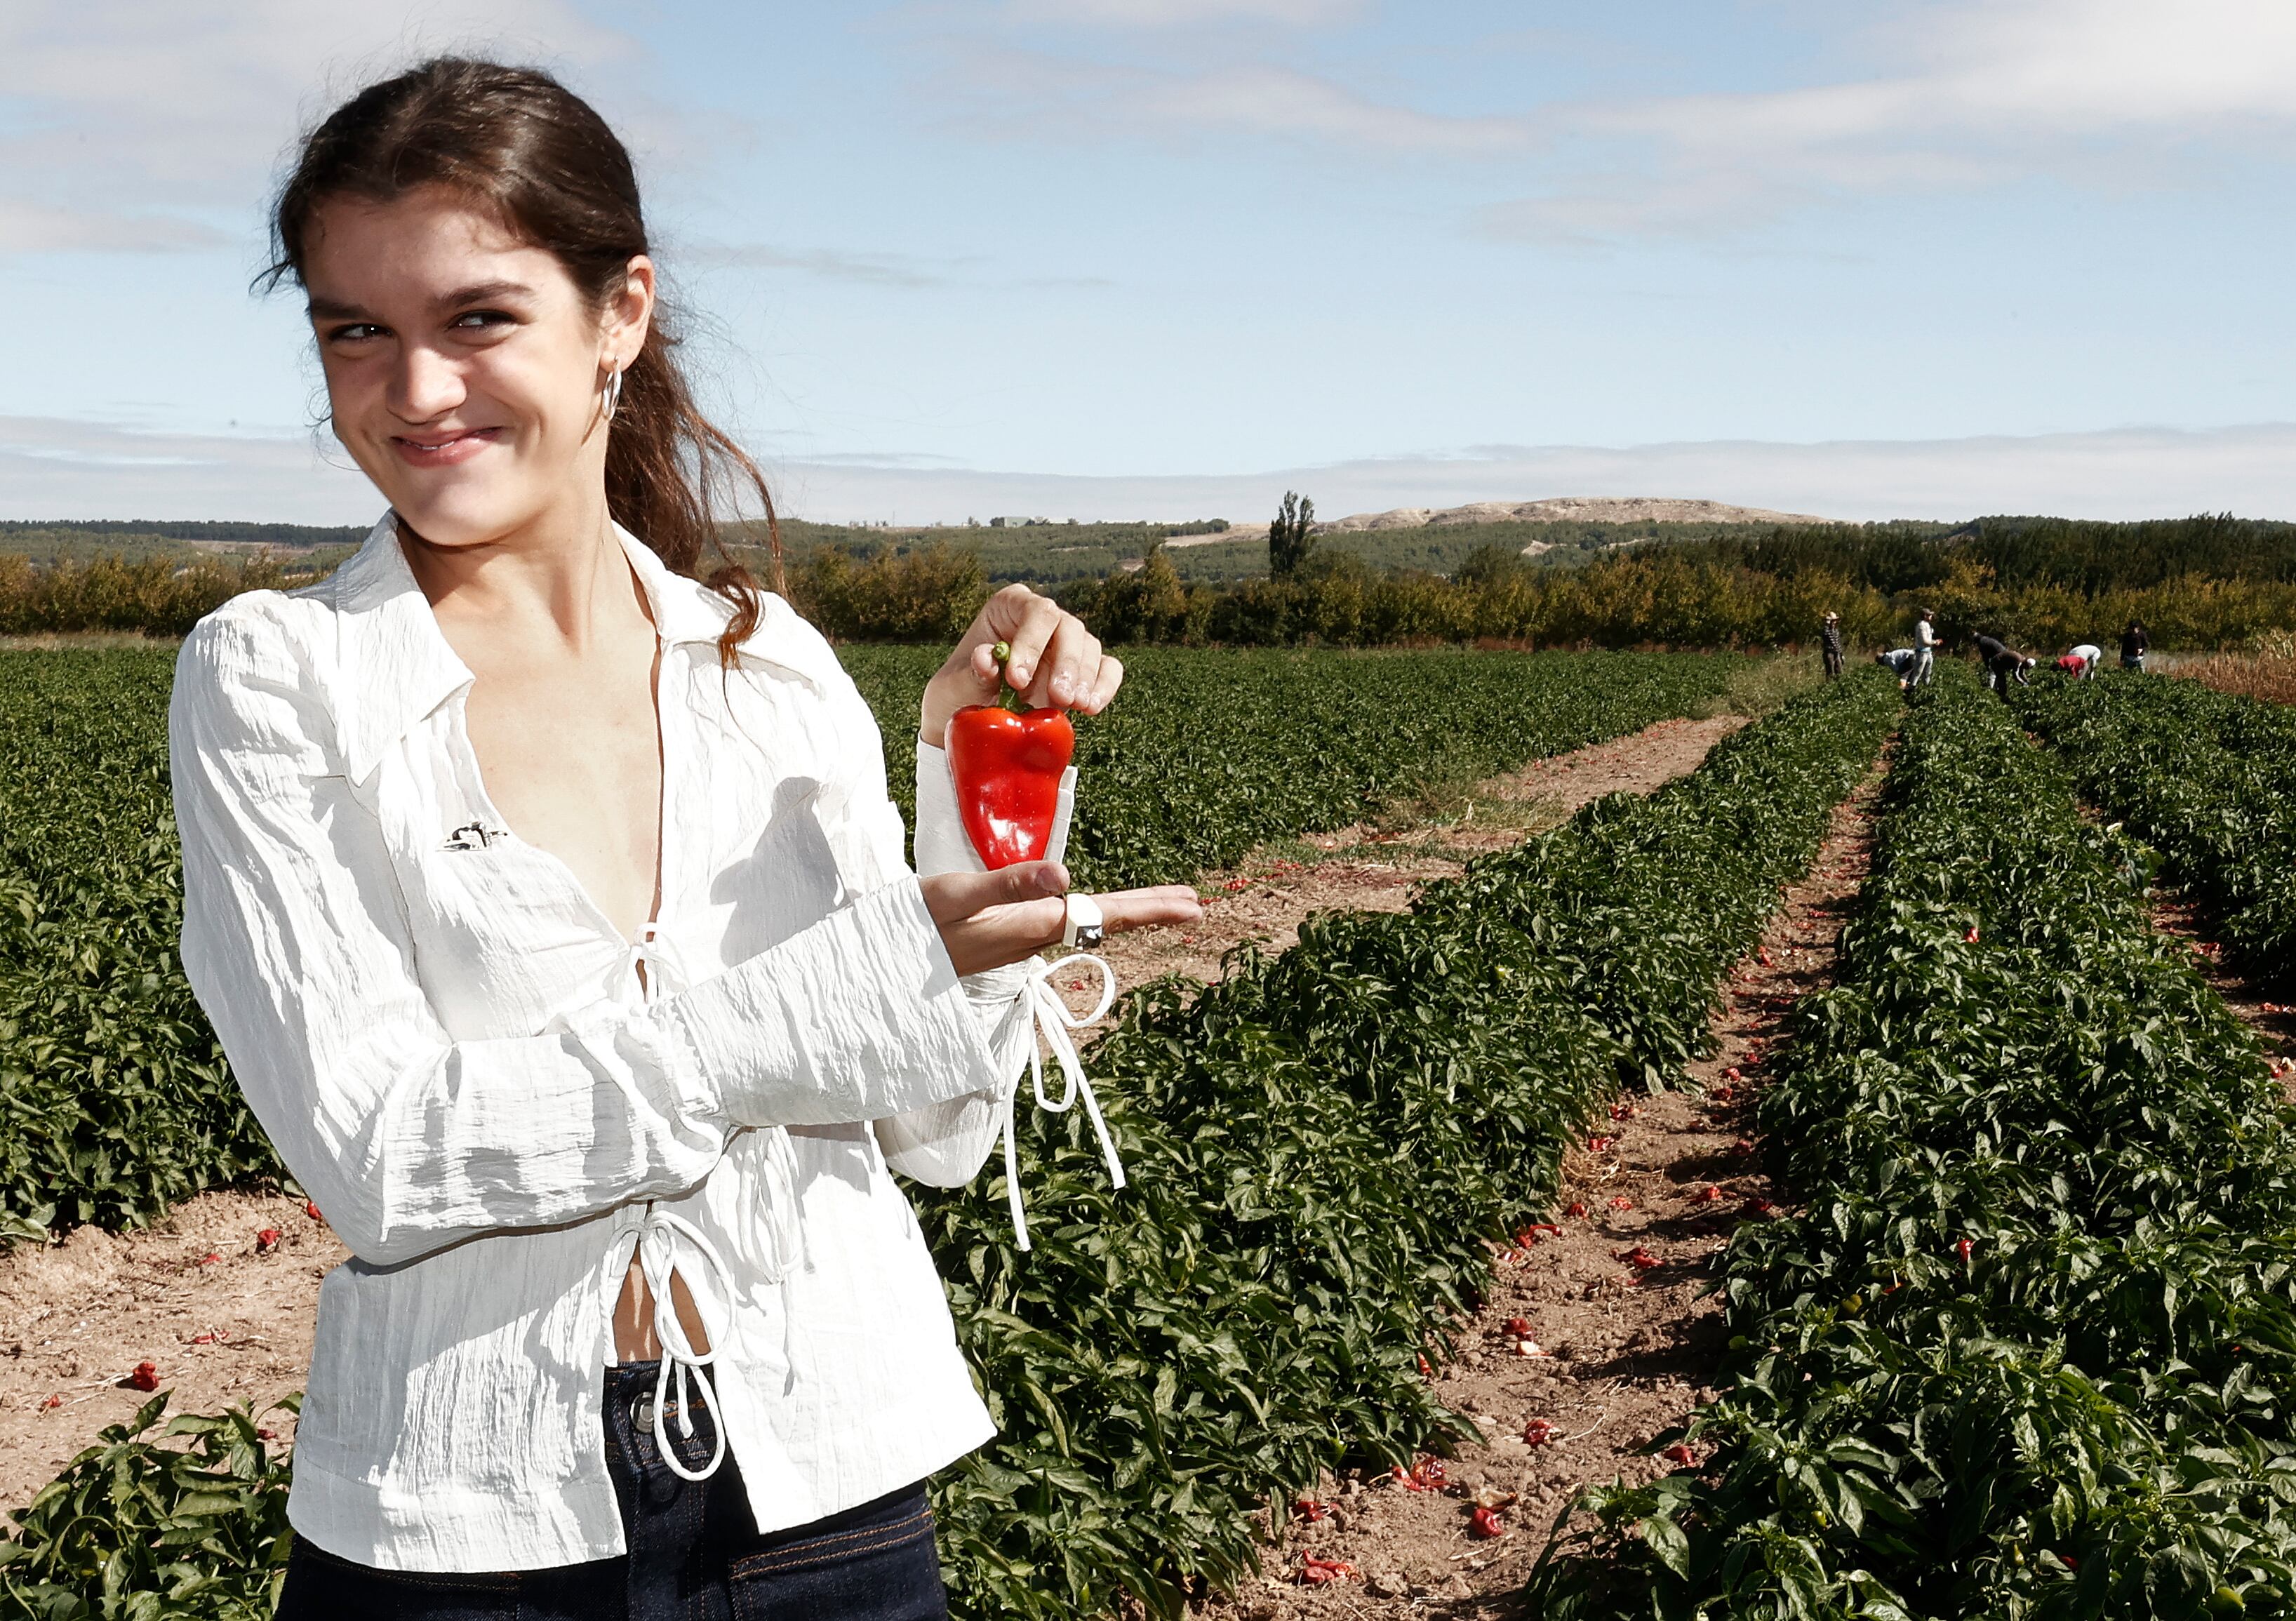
<point>2002,662</point>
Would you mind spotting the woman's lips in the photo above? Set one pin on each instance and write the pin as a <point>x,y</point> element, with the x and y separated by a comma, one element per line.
<point>443,449</point>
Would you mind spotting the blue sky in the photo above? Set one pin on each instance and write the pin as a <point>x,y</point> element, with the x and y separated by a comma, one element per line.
<point>1118,258</point>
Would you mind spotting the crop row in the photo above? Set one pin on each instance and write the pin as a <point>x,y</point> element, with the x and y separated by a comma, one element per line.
<point>2029,1349</point>
<point>114,1094</point>
<point>114,1098</point>
<point>1319,1148</point>
<point>1210,753</point>
<point>2202,776</point>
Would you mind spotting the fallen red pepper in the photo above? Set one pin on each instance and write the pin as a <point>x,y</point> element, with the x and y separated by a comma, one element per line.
<point>146,1376</point>
<point>1007,765</point>
<point>1315,1572</point>
<point>1427,1474</point>
<point>1519,1327</point>
<point>1310,1511</point>
<point>1486,1523</point>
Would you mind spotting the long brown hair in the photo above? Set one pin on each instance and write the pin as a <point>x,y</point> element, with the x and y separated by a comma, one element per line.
<point>539,158</point>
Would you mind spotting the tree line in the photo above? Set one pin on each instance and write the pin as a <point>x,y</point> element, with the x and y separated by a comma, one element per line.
<point>2204,584</point>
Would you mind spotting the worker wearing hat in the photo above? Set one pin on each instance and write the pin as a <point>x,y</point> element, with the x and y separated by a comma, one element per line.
<point>1829,640</point>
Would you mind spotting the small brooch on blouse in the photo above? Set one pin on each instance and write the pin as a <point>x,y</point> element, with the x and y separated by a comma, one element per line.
<point>474,836</point>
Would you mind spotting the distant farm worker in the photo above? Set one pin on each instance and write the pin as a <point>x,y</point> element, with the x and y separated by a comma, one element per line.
<point>552,910</point>
<point>1899,661</point>
<point>1829,641</point>
<point>2133,644</point>
<point>1925,641</point>
<point>2081,663</point>
<point>2002,662</point>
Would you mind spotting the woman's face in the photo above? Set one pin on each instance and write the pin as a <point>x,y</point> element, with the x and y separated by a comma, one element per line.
<point>463,366</point>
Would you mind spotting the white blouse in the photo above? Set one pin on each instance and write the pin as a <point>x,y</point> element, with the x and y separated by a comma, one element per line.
<point>453,1050</point>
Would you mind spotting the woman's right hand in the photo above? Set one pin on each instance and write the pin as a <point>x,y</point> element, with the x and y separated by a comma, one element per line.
<point>988,919</point>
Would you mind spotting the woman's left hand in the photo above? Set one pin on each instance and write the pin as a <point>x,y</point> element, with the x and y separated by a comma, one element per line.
<point>988,919</point>
<point>1054,662</point>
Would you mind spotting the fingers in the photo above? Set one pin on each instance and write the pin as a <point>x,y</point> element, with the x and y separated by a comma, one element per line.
<point>1166,904</point>
<point>1054,661</point>
<point>1026,623</point>
<point>1071,663</point>
<point>953,896</point>
<point>1104,685</point>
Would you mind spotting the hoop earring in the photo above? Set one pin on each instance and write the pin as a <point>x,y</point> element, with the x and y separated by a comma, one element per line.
<point>613,393</point>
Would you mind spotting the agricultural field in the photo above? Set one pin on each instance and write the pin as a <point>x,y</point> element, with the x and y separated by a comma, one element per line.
<point>2014,1339</point>
<point>2025,1351</point>
<point>2206,777</point>
<point>117,1095</point>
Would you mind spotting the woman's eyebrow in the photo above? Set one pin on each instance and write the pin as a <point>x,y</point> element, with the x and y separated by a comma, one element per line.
<point>482,292</point>
<point>478,292</point>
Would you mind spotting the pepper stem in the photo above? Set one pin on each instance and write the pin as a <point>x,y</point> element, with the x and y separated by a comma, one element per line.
<point>1006,698</point>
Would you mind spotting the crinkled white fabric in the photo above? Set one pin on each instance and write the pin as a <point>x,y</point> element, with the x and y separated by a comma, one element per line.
<point>450,1048</point>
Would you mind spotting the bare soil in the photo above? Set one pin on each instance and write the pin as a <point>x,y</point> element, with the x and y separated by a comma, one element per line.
<point>222,1316</point>
<point>2267,1007</point>
<point>1379,866</point>
<point>77,1318</point>
<point>1626,1337</point>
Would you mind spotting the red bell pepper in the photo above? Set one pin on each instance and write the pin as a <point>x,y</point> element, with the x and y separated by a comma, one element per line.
<point>1008,763</point>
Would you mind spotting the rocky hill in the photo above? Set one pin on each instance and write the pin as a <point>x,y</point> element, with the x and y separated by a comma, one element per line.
<point>1567,509</point>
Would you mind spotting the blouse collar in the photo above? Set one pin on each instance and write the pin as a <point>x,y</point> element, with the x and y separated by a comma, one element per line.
<point>399,667</point>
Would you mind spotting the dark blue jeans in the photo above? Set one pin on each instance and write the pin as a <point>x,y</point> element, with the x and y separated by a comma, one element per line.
<point>694,1551</point>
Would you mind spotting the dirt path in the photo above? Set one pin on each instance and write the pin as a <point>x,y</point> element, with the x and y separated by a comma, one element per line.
<point>1626,1340</point>
<point>77,1318</point>
<point>223,1316</point>
<point>2255,1001</point>
<point>1374,868</point>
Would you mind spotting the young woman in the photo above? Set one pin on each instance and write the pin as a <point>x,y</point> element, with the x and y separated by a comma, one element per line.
<point>552,910</point>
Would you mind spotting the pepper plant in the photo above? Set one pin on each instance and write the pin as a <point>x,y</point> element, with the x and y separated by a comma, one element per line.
<point>2030,1348</point>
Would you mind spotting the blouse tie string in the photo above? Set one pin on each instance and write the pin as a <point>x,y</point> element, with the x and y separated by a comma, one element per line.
<point>659,1235</point>
<point>646,955</point>
<point>1054,1023</point>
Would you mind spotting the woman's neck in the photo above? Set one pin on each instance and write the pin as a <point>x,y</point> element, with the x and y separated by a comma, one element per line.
<point>563,577</point>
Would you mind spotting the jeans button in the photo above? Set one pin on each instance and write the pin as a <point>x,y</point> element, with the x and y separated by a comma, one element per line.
<point>642,1415</point>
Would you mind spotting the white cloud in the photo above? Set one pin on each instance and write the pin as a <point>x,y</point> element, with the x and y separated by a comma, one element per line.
<point>1036,94</point>
<point>1182,13</point>
<point>1964,95</point>
<point>2123,474</point>
<point>57,469</point>
<point>157,123</point>
<point>1281,101</point>
<point>874,269</point>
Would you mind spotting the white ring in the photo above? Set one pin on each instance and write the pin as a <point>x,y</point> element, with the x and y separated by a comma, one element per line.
<point>1083,913</point>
